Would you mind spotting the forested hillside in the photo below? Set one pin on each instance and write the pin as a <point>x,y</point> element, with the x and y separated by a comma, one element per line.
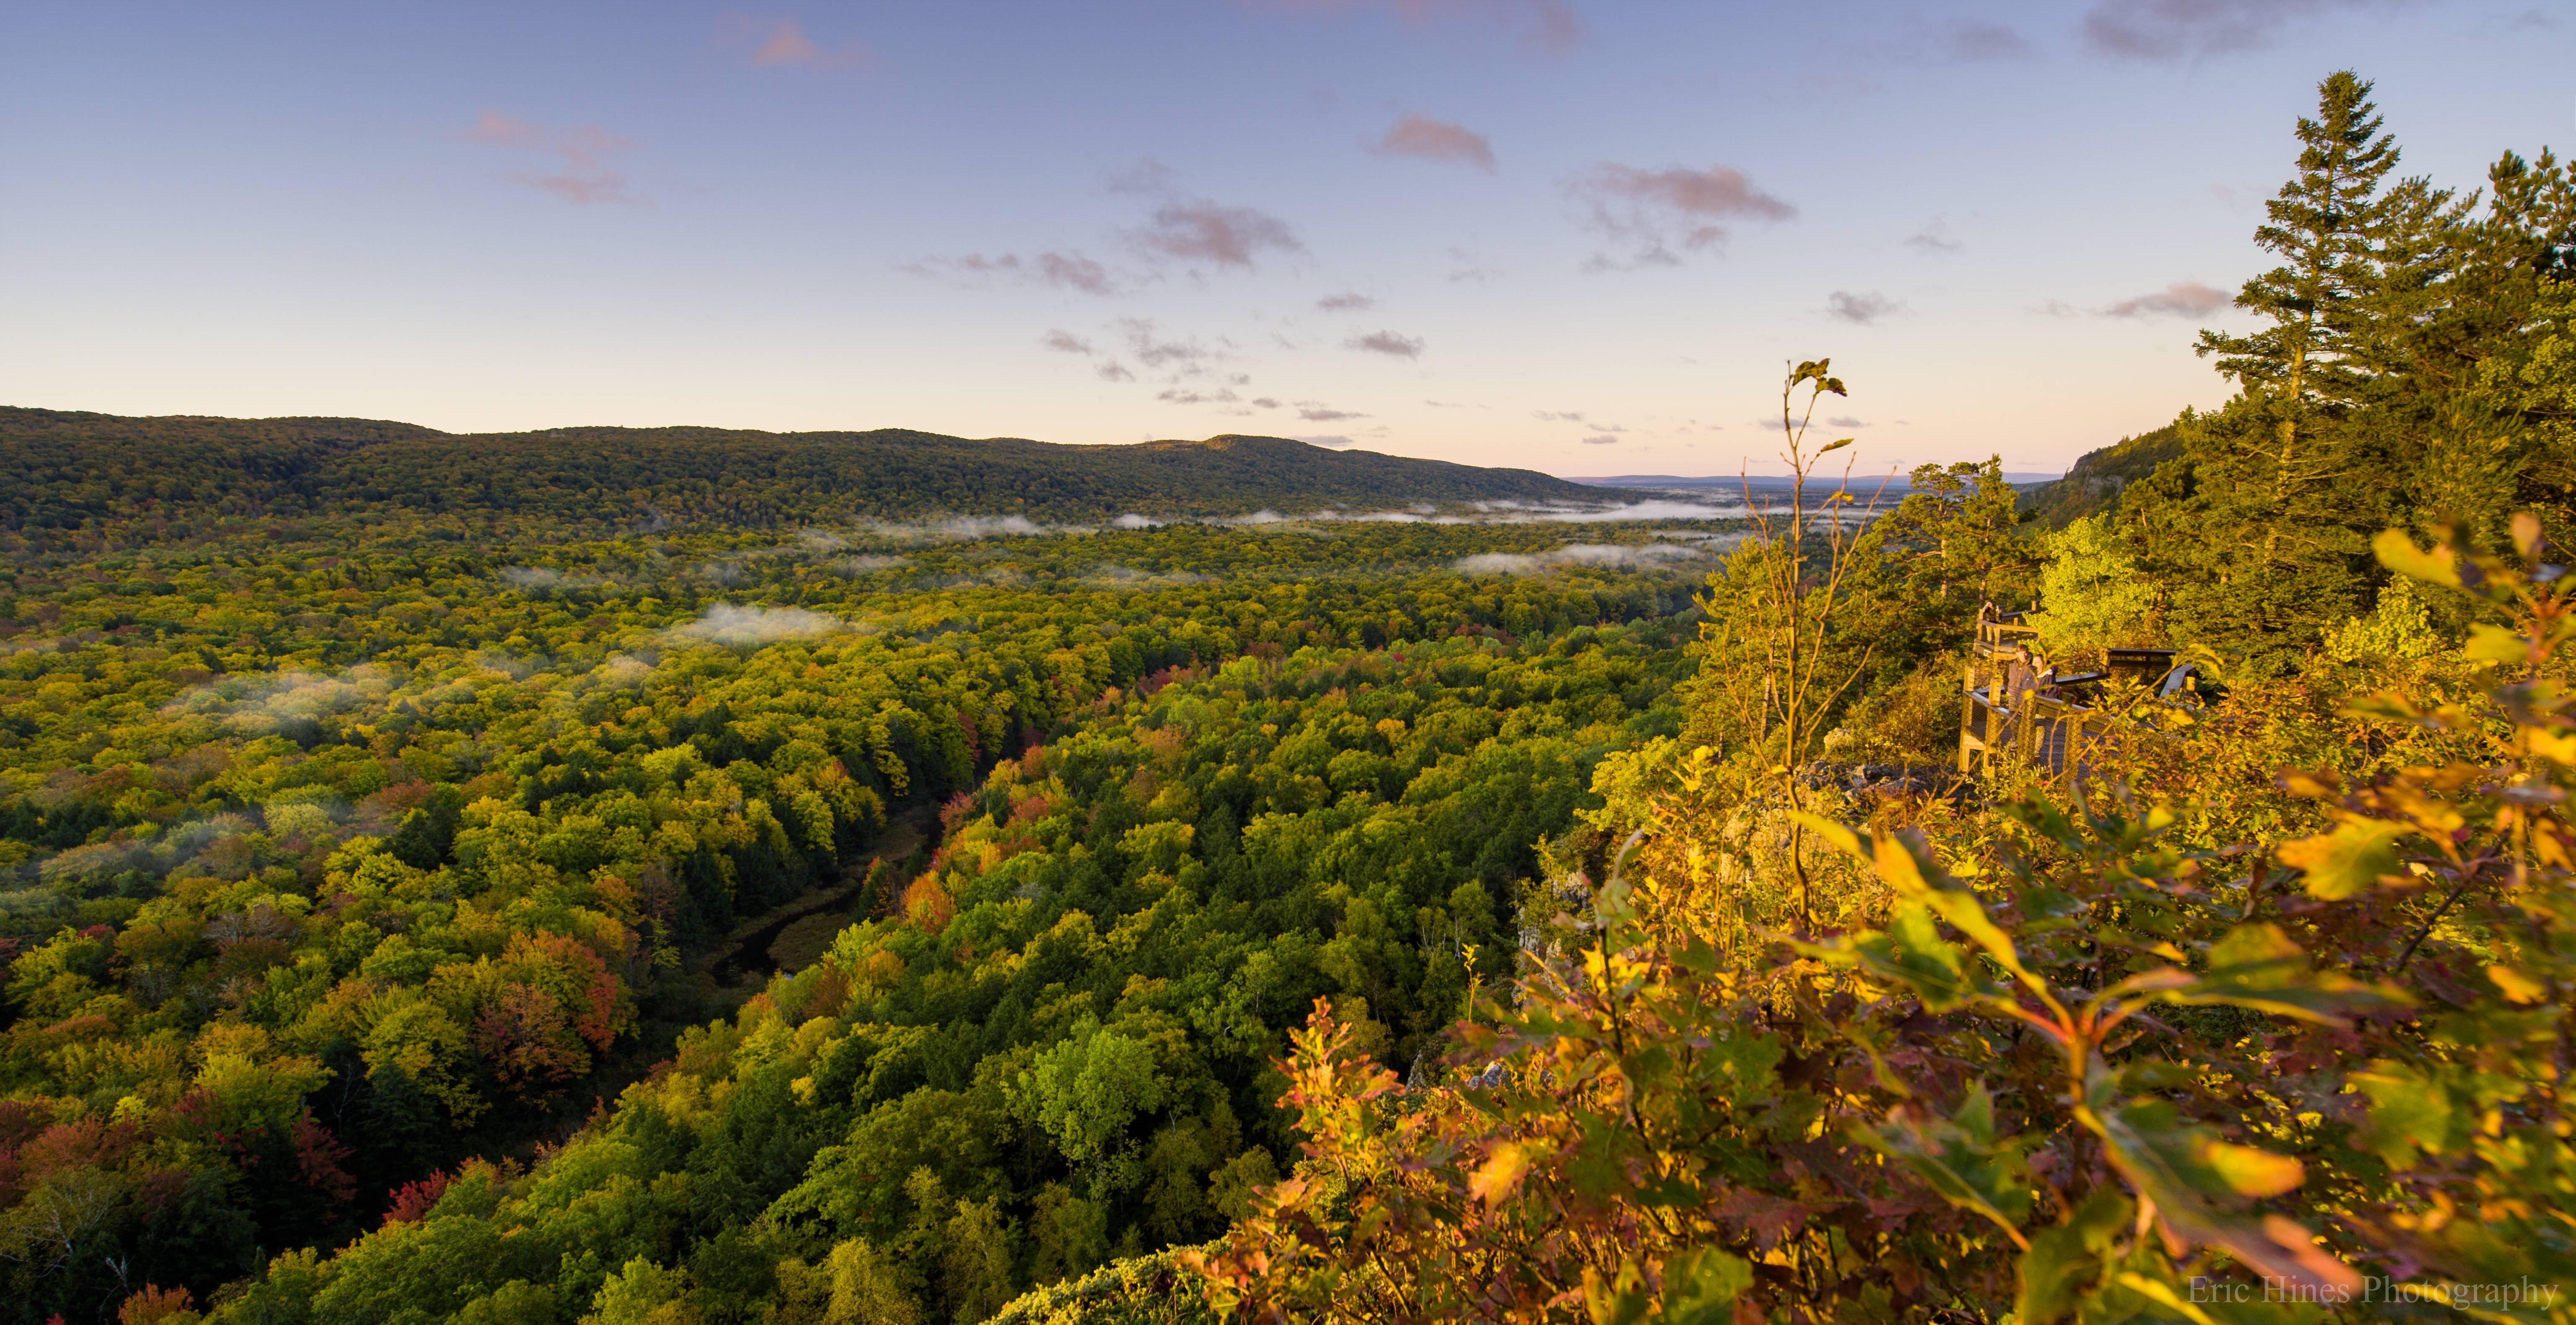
<point>1313,919</point>
<point>343,854</point>
<point>2097,478</point>
<point>171,477</point>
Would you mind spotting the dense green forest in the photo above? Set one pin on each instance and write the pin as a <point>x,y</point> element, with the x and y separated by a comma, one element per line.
<point>77,479</point>
<point>1413,919</point>
<point>348,857</point>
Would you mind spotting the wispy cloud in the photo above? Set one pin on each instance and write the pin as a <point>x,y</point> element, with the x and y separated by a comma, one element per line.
<point>1345,303</point>
<point>1470,267</point>
<point>1934,237</point>
<point>782,41</point>
<point>1387,342</point>
<point>1602,433</point>
<point>1648,212</point>
<point>1148,176</point>
<point>1313,412</point>
<point>1548,27</point>
<point>1072,271</point>
<point>1063,270</point>
<point>583,178</point>
<point>1972,41</point>
<point>1860,308</point>
<point>1174,359</point>
<point>1198,230</point>
<point>1150,347</point>
<point>1421,136</point>
<point>2168,30</point>
<point>2180,299</point>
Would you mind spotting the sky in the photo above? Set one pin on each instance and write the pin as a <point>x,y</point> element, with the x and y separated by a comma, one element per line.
<point>1576,236</point>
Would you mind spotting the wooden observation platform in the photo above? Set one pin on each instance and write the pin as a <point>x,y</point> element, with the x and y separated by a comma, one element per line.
<point>2040,717</point>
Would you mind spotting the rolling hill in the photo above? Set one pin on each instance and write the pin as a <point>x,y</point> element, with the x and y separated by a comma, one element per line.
<point>64,470</point>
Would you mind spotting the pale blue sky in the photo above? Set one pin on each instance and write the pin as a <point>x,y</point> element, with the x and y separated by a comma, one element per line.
<point>862,215</point>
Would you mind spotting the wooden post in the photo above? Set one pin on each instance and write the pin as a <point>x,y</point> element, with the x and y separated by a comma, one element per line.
<point>1968,715</point>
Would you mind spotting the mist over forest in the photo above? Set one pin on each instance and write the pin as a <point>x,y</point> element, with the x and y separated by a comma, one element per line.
<point>722,877</point>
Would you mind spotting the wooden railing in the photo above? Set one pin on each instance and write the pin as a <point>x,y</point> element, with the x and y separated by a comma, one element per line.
<point>2049,727</point>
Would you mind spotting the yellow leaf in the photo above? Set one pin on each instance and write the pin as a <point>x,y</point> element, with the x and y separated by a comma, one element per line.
<point>2308,785</point>
<point>2495,644</point>
<point>2251,1172</point>
<point>2398,553</point>
<point>1897,866</point>
<point>2557,747</point>
<point>1836,835</point>
<point>1499,1174</point>
<point>2518,987</point>
<point>2347,861</point>
<point>2163,1296</point>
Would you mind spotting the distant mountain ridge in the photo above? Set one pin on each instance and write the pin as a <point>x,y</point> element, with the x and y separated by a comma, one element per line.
<point>1773,482</point>
<point>61,469</point>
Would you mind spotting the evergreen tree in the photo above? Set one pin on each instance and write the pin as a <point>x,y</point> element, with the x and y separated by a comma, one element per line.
<point>1957,526</point>
<point>2259,528</point>
<point>2503,360</point>
<point>2322,227</point>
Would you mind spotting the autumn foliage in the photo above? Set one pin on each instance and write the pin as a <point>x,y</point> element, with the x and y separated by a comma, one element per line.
<point>2079,1068</point>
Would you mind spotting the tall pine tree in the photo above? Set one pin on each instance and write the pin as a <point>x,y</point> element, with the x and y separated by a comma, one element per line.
<point>2321,228</point>
<point>2416,367</point>
<point>2261,527</point>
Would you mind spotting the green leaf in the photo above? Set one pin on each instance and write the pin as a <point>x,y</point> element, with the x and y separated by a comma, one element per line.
<point>1701,1285</point>
<point>2042,816</point>
<point>2064,1260</point>
<point>1743,1065</point>
<point>2398,553</point>
<point>1836,446</point>
<point>1959,1158</point>
<point>2408,1111</point>
<point>2199,1182</point>
<point>2347,861</point>
<point>1912,953</point>
<point>2258,967</point>
<point>1908,866</point>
